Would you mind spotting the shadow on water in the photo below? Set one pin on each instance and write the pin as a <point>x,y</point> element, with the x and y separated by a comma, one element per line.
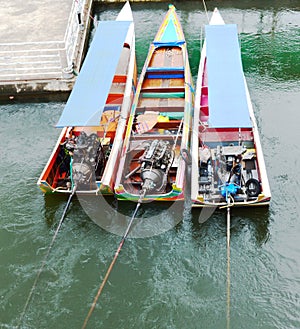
<point>155,218</point>
<point>54,205</point>
<point>114,216</point>
<point>254,221</point>
<point>257,220</point>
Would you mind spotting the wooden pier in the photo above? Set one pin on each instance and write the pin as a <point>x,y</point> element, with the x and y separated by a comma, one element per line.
<point>41,47</point>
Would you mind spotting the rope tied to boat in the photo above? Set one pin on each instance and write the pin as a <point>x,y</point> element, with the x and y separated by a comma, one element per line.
<point>45,257</point>
<point>228,263</point>
<point>142,195</point>
<point>228,190</point>
<point>192,89</point>
<point>204,5</point>
<point>177,135</point>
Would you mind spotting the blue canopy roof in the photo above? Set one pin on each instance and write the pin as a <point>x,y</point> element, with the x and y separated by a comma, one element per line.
<point>226,86</point>
<point>88,97</point>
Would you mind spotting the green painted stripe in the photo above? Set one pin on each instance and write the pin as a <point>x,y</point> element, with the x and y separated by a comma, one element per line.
<point>173,115</point>
<point>165,69</point>
<point>170,115</point>
<point>163,95</point>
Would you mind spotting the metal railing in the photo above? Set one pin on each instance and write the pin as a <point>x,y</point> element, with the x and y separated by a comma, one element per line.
<point>71,35</point>
<point>44,60</point>
<point>73,46</point>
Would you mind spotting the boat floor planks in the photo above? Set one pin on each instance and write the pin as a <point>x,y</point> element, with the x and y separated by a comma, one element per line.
<point>151,162</point>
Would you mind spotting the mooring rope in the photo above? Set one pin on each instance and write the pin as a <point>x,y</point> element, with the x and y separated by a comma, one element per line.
<point>177,135</point>
<point>45,258</point>
<point>228,263</point>
<point>204,5</point>
<point>113,261</point>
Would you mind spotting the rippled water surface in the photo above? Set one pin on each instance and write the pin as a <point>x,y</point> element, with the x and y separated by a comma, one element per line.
<point>175,279</point>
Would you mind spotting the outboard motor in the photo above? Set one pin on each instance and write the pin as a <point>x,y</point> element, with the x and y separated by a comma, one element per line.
<point>155,164</point>
<point>83,165</point>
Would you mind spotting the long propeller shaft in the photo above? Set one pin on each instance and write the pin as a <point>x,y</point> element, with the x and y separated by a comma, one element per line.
<point>112,263</point>
<point>228,263</point>
<point>46,257</point>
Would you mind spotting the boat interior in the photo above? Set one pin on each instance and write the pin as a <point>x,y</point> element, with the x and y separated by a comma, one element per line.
<point>157,128</point>
<point>90,146</point>
<point>227,156</point>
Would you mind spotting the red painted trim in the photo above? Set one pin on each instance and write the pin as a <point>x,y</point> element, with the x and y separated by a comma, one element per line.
<point>225,134</point>
<point>120,79</point>
<point>115,99</point>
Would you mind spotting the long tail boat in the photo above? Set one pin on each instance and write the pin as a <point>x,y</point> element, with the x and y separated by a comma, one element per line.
<point>228,160</point>
<point>152,166</point>
<point>94,119</point>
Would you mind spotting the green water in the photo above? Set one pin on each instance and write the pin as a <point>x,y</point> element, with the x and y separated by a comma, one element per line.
<point>176,279</point>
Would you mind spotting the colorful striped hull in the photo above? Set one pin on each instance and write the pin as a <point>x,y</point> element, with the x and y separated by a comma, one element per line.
<point>101,138</point>
<point>228,164</point>
<point>160,121</point>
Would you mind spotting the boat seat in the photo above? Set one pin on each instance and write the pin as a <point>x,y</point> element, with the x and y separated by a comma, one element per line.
<point>163,89</point>
<point>165,69</point>
<point>164,95</point>
<point>165,72</point>
<point>168,115</point>
<point>120,78</point>
<point>161,108</point>
<point>115,98</point>
<point>112,108</point>
<point>173,115</point>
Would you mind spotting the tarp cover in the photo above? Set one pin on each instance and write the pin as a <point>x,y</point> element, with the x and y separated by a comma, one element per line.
<point>226,86</point>
<point>87,99</point>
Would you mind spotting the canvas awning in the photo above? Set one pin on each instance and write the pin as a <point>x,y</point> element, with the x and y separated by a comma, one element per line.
<point>88,97</point>
<point>226,86</point>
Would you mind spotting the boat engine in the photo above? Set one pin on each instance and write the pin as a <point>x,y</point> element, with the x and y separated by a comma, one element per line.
<point>155,164</point>
<point>83,165</point>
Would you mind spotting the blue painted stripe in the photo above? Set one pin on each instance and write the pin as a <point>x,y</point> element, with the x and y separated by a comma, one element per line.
<point>164,69</point>
<point>112,108</point>
<point>163,43</point>
<point>165,76</point>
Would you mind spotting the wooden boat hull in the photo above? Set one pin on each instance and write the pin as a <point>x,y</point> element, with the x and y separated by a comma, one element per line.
<point>110,132</point>
<point>218,151</point>
<point>160,119</point>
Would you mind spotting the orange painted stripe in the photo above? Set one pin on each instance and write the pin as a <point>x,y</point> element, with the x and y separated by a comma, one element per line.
<point>120,79</point>
<point>114,99</point>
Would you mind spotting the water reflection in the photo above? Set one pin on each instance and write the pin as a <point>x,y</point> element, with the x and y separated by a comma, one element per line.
<point>254,221</point>
<point>182,272</point>
<point>54,206</point>
<point>114,216</point>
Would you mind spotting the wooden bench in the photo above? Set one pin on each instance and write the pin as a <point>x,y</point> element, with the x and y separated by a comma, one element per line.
<point>165,72</point>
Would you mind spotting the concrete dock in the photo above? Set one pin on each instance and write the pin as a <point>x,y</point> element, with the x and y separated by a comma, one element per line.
<point>41,47</point>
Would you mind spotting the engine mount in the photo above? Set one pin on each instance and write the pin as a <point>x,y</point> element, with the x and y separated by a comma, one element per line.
<point>83,165</point>
<point>155,164</point>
